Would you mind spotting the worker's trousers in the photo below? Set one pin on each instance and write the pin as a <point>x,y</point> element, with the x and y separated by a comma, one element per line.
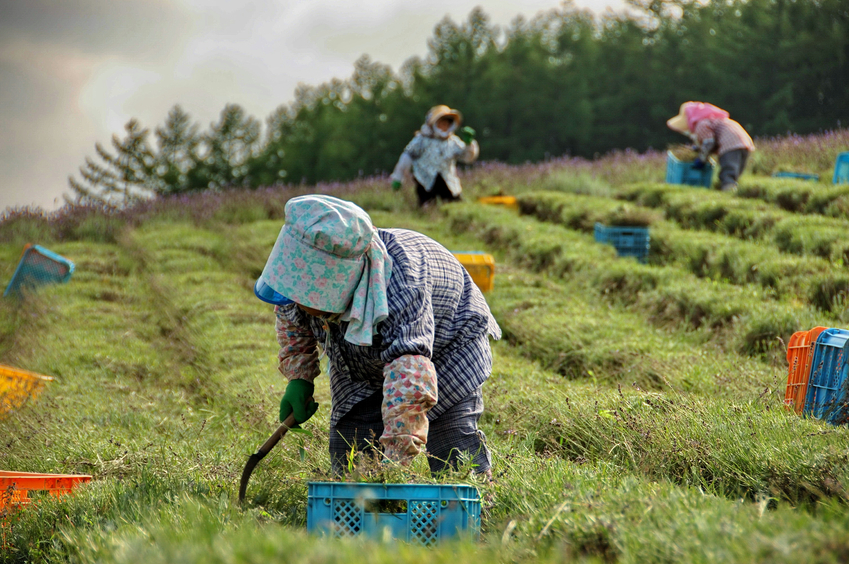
<point>451,437</point>
<point>731,165</point>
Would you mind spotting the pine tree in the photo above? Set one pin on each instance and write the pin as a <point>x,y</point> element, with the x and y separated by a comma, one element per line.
<point>123,178</point>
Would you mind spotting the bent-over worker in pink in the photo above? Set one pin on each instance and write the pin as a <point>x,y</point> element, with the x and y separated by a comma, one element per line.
<point>714,131</point>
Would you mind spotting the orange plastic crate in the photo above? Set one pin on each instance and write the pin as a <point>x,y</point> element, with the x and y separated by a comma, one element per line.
<point>15,486</point>
<point>506,201</point>
<point>799,355</point>
<point>18,385</point>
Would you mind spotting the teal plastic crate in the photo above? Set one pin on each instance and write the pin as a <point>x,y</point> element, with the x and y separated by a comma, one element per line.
<point>828,397</point>
<point>841,169</point>
<point>682,172</point>
<point>797,175</point>
<point>38,266</point>
<point>423,514</point>
<point>628,241</point>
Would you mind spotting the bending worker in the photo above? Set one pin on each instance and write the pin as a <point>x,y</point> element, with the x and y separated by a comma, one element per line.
<point>433,154</point>
<point>405,330</point>
<point>714,132</point>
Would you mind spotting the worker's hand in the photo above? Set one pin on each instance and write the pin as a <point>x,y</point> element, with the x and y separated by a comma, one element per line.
<point>298,400</point>
<point>699,164</point>
<point>396,185</point>
<point>467,134</point>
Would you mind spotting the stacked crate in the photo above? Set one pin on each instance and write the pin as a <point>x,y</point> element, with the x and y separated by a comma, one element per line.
<point>816,379</point>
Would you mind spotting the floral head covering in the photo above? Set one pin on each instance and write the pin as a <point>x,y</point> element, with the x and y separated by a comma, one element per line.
<point>329,257</point>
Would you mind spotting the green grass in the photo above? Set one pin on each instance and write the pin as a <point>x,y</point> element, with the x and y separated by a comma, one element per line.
<point>746,219</point>
<point>634,411</point>
<point>737,317</point>
<point>704,253</point>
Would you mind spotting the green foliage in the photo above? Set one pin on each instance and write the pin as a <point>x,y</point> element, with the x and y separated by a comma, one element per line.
<point>182,160</point>
<point>562,83</point>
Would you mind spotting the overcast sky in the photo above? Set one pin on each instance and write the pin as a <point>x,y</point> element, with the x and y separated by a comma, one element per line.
<point>73,72</point>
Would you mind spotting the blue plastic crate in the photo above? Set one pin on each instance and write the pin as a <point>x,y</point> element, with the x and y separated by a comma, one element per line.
<point>841,169</point>
<point>628,241</point>
<point>682,172</point>
<point>39,266</point>
<point>827,398</point>
<point>798,175</point>
<point>417,513</point>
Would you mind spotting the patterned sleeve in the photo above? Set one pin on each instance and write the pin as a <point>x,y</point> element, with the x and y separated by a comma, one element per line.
<point>409,391</point>
<point>298,356</point>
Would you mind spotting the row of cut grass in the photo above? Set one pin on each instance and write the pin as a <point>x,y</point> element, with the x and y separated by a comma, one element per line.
<point>798,196</point>
<point>666,295</point>
<point>695,208</point>
<point>728,435</point>
<point>704,253</point>
<point>166,456</point>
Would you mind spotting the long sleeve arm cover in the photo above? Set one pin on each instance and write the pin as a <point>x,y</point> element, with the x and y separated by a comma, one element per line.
<point>409,391</point>
<point>298,356</point>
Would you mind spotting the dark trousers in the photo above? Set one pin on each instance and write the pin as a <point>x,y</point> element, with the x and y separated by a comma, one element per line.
<point>439,190</point>
<point>450,435</point>
<point>731,166</point>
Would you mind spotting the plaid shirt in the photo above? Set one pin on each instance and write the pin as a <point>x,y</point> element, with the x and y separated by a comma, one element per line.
<point>727,134</point>
<point>435,310</point>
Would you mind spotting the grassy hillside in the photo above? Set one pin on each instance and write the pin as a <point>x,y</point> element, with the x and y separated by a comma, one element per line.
<point>634,411</point>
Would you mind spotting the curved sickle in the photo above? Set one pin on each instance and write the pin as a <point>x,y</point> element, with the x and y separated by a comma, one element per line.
<point>266,447</point>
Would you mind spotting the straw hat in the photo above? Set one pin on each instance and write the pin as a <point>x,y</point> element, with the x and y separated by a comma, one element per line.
<point>679,122</point>
<point>441,111</point>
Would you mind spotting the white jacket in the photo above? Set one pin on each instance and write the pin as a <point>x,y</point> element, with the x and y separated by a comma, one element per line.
<point>429,155</point>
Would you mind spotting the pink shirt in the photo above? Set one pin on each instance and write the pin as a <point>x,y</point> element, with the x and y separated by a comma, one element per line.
<point>727,134</point>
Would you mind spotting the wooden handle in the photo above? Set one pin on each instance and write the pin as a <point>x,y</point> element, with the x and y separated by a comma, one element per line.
<point>260,453</point>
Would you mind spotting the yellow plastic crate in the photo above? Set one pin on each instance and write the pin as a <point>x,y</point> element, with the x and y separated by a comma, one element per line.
<point>506,201</point>
<point>480,266</point>
<point>17,385</point>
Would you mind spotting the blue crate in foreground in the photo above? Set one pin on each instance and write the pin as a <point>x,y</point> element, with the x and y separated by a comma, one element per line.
<point>628,241</point>
<point>682,172</point>
<point>827,393</point>
<point>797,175</point>
<point>841,169</point>
<point>38,266</point>
<point>421,514</point>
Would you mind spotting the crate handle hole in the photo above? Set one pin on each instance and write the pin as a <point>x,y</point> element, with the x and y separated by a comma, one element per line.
<point>386,506</point>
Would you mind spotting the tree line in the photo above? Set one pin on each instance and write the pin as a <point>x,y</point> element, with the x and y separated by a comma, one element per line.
<point>563,82</point>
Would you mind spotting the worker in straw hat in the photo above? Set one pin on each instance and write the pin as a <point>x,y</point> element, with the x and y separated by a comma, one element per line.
<point>714,132</point>
<point>405,330</point>
<point>433,154</point>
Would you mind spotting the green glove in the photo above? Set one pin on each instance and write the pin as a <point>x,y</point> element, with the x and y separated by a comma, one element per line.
<point>298,400</point>
<point>396,185</point>
<point>467,134</point>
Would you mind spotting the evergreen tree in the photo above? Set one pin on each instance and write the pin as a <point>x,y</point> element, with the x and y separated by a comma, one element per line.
<point>122,178</point>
